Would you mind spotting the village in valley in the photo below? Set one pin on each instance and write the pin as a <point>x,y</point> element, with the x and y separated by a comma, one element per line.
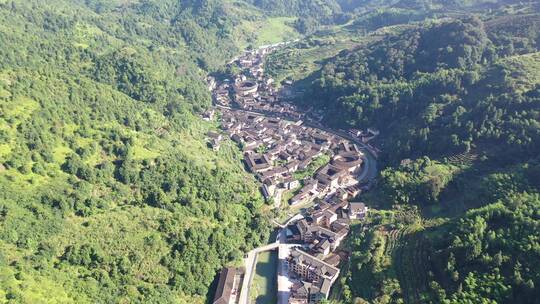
<point>302,166</point>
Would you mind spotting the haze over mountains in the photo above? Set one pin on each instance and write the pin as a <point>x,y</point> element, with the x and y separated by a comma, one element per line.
<point>110,194</point>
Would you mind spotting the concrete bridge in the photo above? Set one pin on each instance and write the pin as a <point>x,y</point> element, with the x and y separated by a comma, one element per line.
<point>251,261</point>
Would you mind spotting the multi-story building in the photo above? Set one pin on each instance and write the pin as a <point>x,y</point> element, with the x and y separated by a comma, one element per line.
<point>316,276</point>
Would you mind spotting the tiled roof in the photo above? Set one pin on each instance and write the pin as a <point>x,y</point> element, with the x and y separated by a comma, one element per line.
<point>225,286</point>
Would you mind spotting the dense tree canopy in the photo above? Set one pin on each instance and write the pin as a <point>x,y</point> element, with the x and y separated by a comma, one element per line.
<point>108,192</point>
<point>456,100</point>
<point>444,87</point>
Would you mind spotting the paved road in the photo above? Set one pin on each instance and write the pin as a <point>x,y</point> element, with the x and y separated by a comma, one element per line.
<point>283,281</point>
<point>250,263</point>
<point>278,197</point>
<point>371,156</point>
<point>297,217</point>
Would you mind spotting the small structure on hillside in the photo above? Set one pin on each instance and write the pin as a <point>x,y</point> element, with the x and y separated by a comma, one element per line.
<point>357,210</point>
<point>214,140</point>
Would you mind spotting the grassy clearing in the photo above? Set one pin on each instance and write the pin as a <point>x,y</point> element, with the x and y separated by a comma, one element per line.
<point>5,149</point>
<point>20,108</point>
<point>142,149</point>
<point>287,211</point>
<point>264,288</point>
<point>60,153</point>
<point>263,31</point>
<point>275,30</point>
<point>16,179</point>
<point>298,63</point>
<point>4,93</point>
<point>524,70</point>
<point>37,289</point>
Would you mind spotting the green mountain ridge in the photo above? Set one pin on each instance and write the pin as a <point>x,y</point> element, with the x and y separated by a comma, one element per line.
<point>109,192</point>
<point>456,102</point>
<point>431,77</point>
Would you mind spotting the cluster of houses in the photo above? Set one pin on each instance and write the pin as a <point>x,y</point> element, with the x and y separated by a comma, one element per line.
<point>279,149</point>
<point>221,94</point>
<point>274,149</point>
<point>338,177</point>
<point>253,90</point>
<point>314,268</point>
<point>315,278</point>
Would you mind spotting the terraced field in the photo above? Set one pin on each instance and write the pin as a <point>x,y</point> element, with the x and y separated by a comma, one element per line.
<point>399,254</point>
<point>463,159</point>
<point>410,259</point>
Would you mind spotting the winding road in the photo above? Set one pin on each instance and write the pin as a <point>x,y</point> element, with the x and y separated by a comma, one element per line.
<point>250,261</point>
<point>369,173</point>
<point>370,159</point>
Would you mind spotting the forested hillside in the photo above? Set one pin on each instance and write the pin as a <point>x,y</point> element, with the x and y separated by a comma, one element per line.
<point>441,88</point>
<point>457,102</point>
<point>449,232</point>
<point>108,193</point>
